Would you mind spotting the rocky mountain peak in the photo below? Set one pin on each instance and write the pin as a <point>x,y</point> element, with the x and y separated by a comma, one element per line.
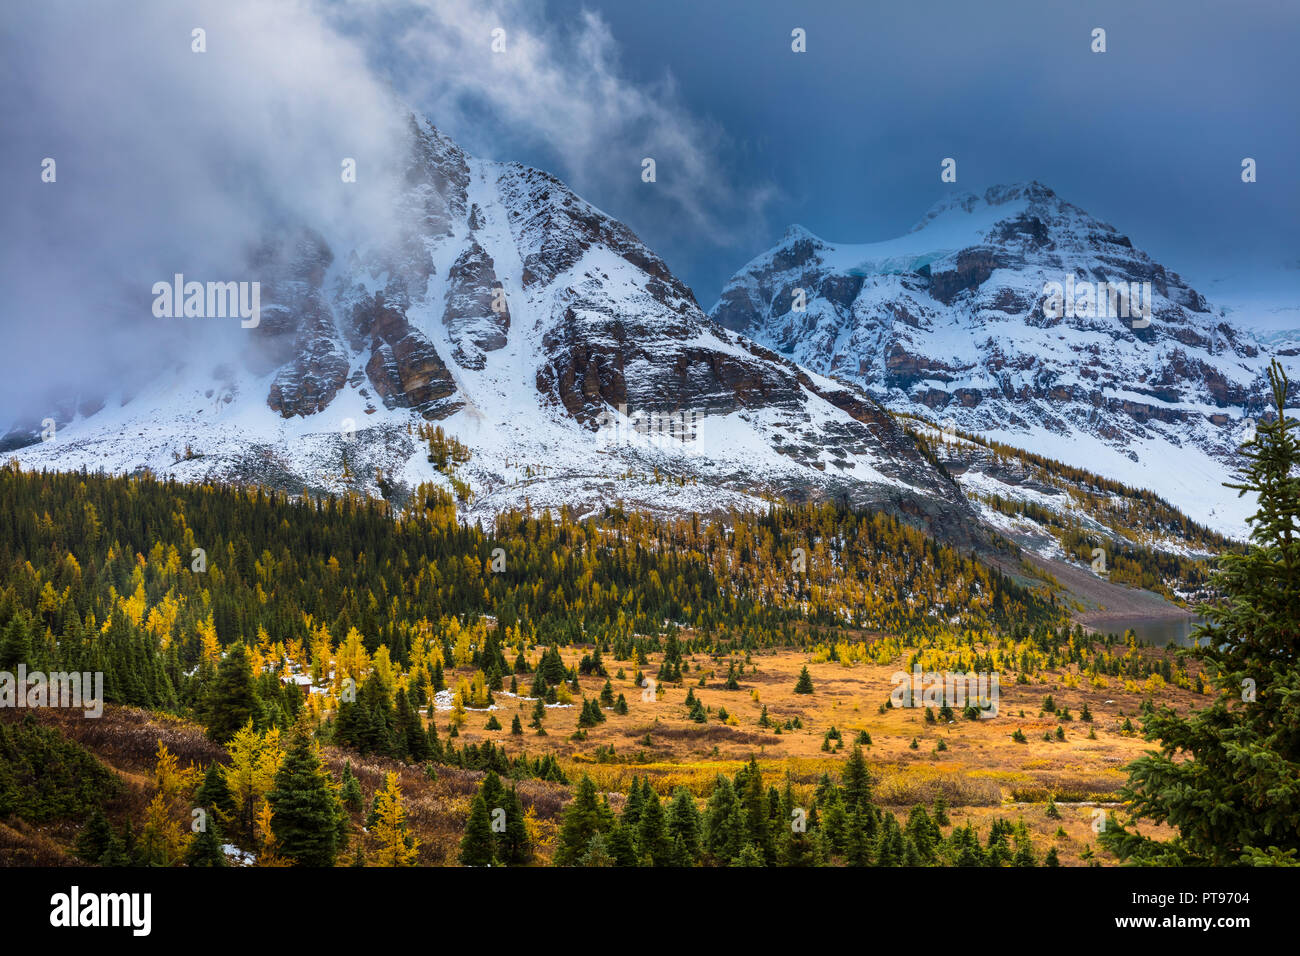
<point>955,319</point>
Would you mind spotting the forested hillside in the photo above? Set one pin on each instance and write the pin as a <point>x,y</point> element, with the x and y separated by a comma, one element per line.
<point>283,625</point>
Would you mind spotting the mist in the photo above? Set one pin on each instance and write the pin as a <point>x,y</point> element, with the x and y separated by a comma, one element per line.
<point>174,161</point>
<point>167,160</point>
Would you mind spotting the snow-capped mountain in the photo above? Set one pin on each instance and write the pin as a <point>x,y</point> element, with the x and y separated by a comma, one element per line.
<point>532,327</point>
<point>1019,316</point>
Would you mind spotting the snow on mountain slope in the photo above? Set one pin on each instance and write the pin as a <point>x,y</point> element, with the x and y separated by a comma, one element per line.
<point>952,321</point>
<point>533,327</point>
<point>1268,305</point>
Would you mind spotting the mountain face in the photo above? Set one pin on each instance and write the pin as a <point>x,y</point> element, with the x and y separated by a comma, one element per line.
<point>964,320</point>
<point>532,327</point>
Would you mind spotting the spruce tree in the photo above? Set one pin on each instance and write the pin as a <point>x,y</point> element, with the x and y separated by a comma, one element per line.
<point>350,793</point>
<point>835,824</point>
<point>214,794</point>
<point>857,781</point>
<point>923,833</point>
<point>514,846</point>
<point>15,642</point>
<point>749,855</point>
<point>205,848</point>
<point>653,838</point>
<point>632,806</point>
<point>1227,777</point>
<point>94,837</point>
<point>232,699</point>
<point>1024,854</point>
<point>435,745</point>
<point>858,841</point>
<point>684,825</point>
<point>597,853</point>
<point>582,821</point>
<point>755,811</point>
<point>621,845</point>
<point>306,816</point>
<point>409,739</point>
<point>722,837</point>
<point>478,845</point>
<point>911,855</point>
<point>804,685</point>
<point>116,853</point>
<point>493,790</point>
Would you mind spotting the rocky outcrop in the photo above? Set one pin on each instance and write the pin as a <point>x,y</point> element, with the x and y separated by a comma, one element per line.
<point>309,382</point>
<point>476,312</point>
<point>404,367</point>
<point>296,333</point>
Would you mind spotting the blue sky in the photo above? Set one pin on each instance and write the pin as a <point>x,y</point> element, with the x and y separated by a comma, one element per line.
<point>847,138</point>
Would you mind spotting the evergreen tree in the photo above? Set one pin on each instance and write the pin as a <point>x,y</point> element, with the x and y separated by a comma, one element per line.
<point>722,829</point>
<point>205,848</point>
<point>835,824</point>
<point>653,838</point>
<point>478,845</point>
<point>804,685</point>
<point>94,838</point>
<point>306,816</point>
<point>670,671</point>
<point>632,806</point>
<point>409,738</point>
<point>435,745</point>
<point>116,853</point>
<point>15,642</point>
<point>597,853</point>
<point>232,700</point>
<point>684,825</point>
<point>889,842</point>
<point>493,790</point>
<point>621,846</point>
<point>350,793</point>
<point>1228,777</point>
<point>924,835</point>
<point>749,855</point>
<point>755,811</point>
<point>1025,854</point>
<point>582,821</point>
<point>214,794</point>
<point>858,842</point>
<point>514,845</point>
<point>797,847</point>
<point>911,855</point>
<point>857,780</point>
